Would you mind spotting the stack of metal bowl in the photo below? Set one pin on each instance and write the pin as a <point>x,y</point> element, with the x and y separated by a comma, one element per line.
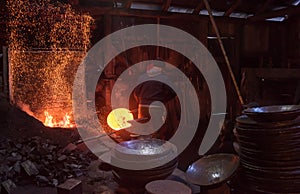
<point>269,140</point>
<point>138,162</point>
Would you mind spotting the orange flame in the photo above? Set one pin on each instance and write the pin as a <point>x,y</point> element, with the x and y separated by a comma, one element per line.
<point>51,122</point>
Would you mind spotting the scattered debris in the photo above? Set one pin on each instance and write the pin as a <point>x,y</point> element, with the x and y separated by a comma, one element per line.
<point>62,158</point>
<point>55,182</point>
<point>42,180</point>
<point>41,162</point>
<point>78,172</point>
<point>29,168</point>
<point>69,148</point>
<point>8,186</point>
<point>71,186</point>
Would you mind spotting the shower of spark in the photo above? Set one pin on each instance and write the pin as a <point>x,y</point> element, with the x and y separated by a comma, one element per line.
<point>47,43</point>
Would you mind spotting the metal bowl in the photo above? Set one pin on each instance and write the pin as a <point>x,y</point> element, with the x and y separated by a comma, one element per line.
<point>273,113</point>
<point>138,154</point>
<point>138,162</point>
<point>167,187</point>
<point>212,169</point>
<point>247,122</point>
<point>139,178</point>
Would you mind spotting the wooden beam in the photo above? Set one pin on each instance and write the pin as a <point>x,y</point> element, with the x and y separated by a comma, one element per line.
<point>289,11</point>
<point>264,6</point>
<point>166,5</point>
<point>96,12</point>
<point>232,8</point>
<point>127,4</point>
<point>199,7</point>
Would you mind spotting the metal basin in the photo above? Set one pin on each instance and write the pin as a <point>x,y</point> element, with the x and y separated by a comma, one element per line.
<point>143,161</point>
<point>212,169</point>
<point>143,154</point>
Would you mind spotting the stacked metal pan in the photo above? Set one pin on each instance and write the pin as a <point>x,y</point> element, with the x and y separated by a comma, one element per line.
<point>269,140</point>
<point>138,162</point>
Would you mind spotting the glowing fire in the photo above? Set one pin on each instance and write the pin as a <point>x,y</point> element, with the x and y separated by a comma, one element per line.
<point>51,122</point>
<point>117,118</point>
<point>47,42</point>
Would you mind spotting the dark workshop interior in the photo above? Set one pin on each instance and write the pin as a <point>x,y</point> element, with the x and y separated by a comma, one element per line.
<point>51,112</point>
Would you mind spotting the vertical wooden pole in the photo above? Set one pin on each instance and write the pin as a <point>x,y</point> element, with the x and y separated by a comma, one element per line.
<point>223,51</point>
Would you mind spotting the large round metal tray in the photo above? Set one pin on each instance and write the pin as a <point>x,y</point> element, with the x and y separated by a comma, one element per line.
<point>212,169</point>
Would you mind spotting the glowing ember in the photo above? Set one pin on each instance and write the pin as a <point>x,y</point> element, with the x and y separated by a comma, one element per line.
<point>51,122</point>
<point>117,119</point>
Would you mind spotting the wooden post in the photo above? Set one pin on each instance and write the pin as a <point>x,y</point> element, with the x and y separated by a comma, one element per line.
<point>232,8</point>
<point>223,50</point>
<point>166,5</point>
<point>5,69</point>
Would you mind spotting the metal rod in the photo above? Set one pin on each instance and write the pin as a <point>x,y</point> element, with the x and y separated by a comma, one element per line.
<point>223,51</point>
<point>108,134</point>
<point>99,136</point>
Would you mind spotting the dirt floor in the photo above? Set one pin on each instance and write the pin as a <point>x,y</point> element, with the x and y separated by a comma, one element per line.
<point>20,132</point>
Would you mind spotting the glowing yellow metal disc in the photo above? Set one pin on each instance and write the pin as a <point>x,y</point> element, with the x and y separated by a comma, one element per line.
<point>117,118</point>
